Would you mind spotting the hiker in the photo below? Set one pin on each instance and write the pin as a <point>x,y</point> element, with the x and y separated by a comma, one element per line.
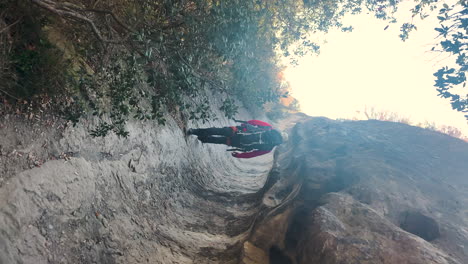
<point>253,137</point>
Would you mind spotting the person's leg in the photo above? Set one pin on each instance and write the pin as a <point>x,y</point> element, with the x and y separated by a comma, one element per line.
<point>202,132</point>
<point>214,140</point>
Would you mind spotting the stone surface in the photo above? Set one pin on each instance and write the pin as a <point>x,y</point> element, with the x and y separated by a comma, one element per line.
<point>155,197</point>
<point>361,185</point>
<point>338,192</point>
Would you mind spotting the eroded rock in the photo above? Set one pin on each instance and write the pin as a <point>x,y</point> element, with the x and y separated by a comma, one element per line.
<point>338,192</point>
<point>370,192</point>
<point>155,197</point>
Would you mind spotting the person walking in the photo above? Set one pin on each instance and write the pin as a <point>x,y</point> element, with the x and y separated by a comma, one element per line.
<point>249,139</point>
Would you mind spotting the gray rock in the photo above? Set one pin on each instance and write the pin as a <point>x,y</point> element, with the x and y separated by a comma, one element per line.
<point>341,192</point>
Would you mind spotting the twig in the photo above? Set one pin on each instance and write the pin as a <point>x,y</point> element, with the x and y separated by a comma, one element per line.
<point>113,16</point>
<point>67,12</point>
<point>9,95</point>
<point>9,26</point>
<point>72,6</point>
<point>96,3</point>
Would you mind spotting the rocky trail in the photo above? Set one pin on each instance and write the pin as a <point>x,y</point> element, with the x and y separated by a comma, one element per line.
<point>156,197</point>
<point>337,192</point>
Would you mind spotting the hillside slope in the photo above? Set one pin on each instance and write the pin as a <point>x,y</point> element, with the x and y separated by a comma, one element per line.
<point>338,192</point>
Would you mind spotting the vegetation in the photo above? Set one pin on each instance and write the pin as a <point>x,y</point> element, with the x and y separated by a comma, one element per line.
<point>383,115</point>
<point>453,34</point>
<point>121,60</point>
<point>30,64</point>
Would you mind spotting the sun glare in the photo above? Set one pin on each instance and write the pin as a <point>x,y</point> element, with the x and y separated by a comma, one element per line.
<point>372,67</point>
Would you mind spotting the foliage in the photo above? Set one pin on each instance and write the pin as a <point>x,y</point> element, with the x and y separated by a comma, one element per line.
<point>384,115</point>
<point>148,57</point>
<point>118,93</point>
<point>201,112</point>
<point>230,108</point>
<point>30,64</point>
<point>444,129</point>
<point>452,131</point>
<point>453,30</point>
<point>453,37</point>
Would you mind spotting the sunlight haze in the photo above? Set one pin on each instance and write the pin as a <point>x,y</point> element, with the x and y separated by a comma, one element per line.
<point>372,67</point>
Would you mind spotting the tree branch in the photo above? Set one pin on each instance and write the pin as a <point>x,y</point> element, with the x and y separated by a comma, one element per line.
<point>72,11</point>
<point>9,26</point>
<point>113,16</point>
<point>9,94</point>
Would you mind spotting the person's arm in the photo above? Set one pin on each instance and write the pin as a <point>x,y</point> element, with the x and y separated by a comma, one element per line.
<point>240,121</point>
<point>248,155</point>
<point>234,149</point>
<point>259,123</point>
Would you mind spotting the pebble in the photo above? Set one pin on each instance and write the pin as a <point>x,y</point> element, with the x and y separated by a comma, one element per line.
<point>103,220</point>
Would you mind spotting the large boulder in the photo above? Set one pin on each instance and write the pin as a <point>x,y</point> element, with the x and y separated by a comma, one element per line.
<point>366,192</point>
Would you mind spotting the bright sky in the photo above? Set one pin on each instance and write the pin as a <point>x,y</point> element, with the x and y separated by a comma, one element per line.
<point>371,67</point>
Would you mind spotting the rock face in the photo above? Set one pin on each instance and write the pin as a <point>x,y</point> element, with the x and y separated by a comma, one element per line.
<point>367,192</point>
<point>338,192</point>
<point>156,197</point>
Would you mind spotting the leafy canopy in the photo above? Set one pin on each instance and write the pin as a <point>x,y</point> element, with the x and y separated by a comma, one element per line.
<point>450,80</point>
<point>151,56</point>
